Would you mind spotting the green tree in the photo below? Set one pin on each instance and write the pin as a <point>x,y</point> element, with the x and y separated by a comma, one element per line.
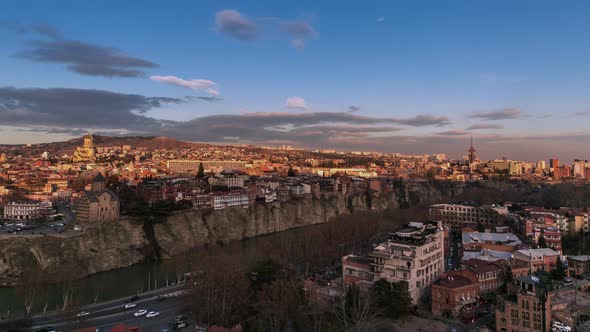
<point>201,171</point>
<point>392,297</point>
<point>558,273</point>
<point>542,243</point>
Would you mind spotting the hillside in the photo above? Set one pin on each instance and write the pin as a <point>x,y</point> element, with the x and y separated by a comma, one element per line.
<point>68,147</point>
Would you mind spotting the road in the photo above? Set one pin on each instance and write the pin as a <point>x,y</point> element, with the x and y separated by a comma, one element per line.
<point>454,258</point>
<point>105,315</point>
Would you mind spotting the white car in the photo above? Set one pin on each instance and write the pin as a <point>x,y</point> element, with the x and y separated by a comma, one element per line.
<point>140,312</point>
<point>561,327</point>
<point>130,305</point>
<point>83,313</point>
<point>153,314</point>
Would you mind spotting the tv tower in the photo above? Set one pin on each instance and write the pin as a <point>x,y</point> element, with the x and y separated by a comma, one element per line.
<point>471,152</point>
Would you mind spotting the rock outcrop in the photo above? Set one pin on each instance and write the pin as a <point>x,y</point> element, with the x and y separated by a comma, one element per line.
<point>106,246</point>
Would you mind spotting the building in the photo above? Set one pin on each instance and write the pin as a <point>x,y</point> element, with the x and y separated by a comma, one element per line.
<point>553,163</point>
<point>490,275</point>
<point>562,172</point>
<point>191,166</point>
<point>578,266</point>
<point>480,240</point>
<point>222,200</point>
<point>552,237</point>
<point>456,215</point>
<point>471,152</point>
<point>27,211</point>
<point>454,295</point>
<point>525,307</point>
<point>86,152</point>
<point>356,269</point>
<point>538,259</point>
<point>579,169</point>
<point>413,254</point>
<point>97,204</point>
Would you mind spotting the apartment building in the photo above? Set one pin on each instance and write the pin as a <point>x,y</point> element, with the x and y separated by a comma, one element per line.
<point>579,266</point>
<point>456,215</point>
<point>413,254</point>
<point>453,295</point>
<point>191,166</point>
<point>221,200</point>
<point>521,309</point>
<point>26,211</point>
<point>537,259</point>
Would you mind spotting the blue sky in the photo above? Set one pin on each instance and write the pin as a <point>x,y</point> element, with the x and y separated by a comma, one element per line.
<point>420,76</point>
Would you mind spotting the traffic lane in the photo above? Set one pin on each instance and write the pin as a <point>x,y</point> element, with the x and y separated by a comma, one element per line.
<point>168,310</point>
<point>110,319</point>
<point>100,309</point>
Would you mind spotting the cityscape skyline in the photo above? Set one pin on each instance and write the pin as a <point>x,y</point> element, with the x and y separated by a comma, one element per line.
<point>429,79</point>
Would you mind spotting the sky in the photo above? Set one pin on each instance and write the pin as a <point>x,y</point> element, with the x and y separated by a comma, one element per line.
<point>391,76</point>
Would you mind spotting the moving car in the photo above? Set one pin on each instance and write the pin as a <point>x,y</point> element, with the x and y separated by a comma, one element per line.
<point>568,281</point>
<point>83,313</point>
<point>140,313</point>
<point>152,314</point>
<point>559,326</point>
<point>130,305</point>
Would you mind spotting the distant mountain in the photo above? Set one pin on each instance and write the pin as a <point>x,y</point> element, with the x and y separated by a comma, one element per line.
<point>68,147</point>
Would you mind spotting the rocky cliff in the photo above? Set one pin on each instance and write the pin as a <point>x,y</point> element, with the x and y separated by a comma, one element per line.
<point>107,246</point>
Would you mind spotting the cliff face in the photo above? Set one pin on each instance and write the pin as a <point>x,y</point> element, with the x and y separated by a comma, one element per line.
<point>109,245</point>
<point>104,247</point>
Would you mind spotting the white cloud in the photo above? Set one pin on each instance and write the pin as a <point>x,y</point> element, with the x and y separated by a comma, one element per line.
<point>298,44</point>
<point>194,84</point>
<point>296,103</point>
<point>380,19</point>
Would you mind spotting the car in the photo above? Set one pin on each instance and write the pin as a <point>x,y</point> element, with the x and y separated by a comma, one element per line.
<point>46,329</point>
<point>140,313</point>
<point>83,313</point>
<point>130,305</point>
<point>568,281</point>
<point>179,324</point>
<point>152,314</point>
<point>164,330</point>
<point>561,327</point>
<point>161,298</point>
<point>133,298</point>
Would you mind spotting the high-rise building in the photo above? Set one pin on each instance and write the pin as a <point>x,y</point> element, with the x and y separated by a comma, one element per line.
<point>553,163</point>
<point>579,169</point>
<point>471,152</point>
<point>541,164</point>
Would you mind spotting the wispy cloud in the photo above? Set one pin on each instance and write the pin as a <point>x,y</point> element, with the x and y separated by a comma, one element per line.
<point>87,59</point>
<point>452,133</point>
<point>194,84</point>
<point>380,19</point>
<point>233,24</point>
<point>584,113</point>
<point>478,126</point>
<point>353,108</point>
<point>503,114</point>
<point>296,103</point>
<point>237,25</point>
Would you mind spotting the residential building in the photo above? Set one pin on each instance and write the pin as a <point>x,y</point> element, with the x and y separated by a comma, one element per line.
<point>457,215</point>
<point>413,254</point>
<point>192,166</point>
<point>221,200</point>
<point>454,295</point>
<point>27,211</point>
<point>578,266</point>
<point>538,259</point>
<point>523,308</point>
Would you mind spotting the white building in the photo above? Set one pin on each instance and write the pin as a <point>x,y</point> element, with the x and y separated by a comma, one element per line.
<point>413,254</point>
<point>229,199</point>
<point>26,211</point>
